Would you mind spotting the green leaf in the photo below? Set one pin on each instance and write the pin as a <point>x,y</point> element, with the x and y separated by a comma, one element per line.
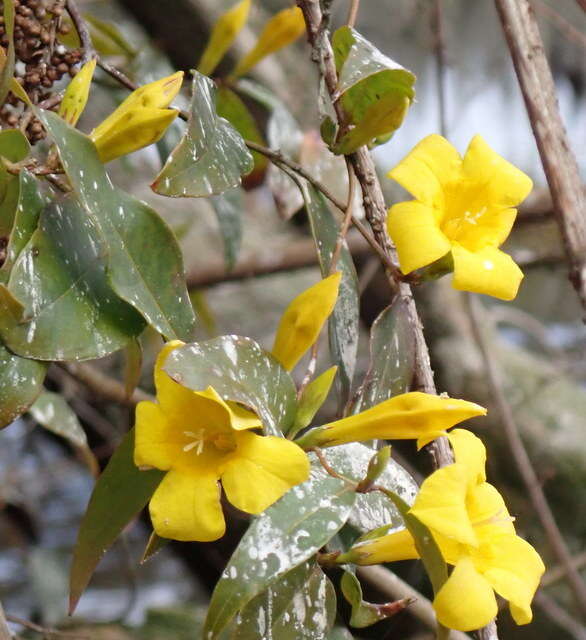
<point>14,147</point>
<point>107,38</point>
<point>231,107</point>
<point>53,413</point>
<point>344,321</point>
<point>211,156</point>
<point>427,548</point>
<point>312,398</point>
<point>154,545</point>
<point>228,207</point>
<point>365,614</point>
<point>374,91</point>
<point>300,604</point>
<point>240,370</point>
<point>392,357</point>
<point>7,58</point>
<point>28,206</point>
<point>132,366</point>
<point>145,266</point>
<point>372,510</point>
<point>21,381</point>
<point>286,535</point>
<point>58,304</point>
<point>121,492</point>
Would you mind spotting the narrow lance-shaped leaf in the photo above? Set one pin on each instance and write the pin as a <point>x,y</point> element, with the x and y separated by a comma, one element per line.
<point>76,94</point>
<point>312,398</point>
<point>224,32</point>
<point>343,323</point>
<point>58,304</point>
<point>132,366</point>
<point>53,413</point>
<point>21,381</point>
<point>392,357</point>
<point>211,157</point>
<point>228,208</point>
<point>281,30</point>
<point>286,535</point>
<point>145,266</point>
<point>300,604</point>
<point>240,370</point>
<point>121,492</point>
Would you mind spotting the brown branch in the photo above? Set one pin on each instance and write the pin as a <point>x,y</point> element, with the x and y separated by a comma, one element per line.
<point>44,631</point>
<point>103,385</point>
<point>4,630</point>
<point>521,457</point>
<point>560,616</point>
<point>557,573</point>
<point>559,163</point>
<point>567,29</point>
<point>439,45</point>
<point>353,12</point>
<point>374,207</point>
<point>82,30</point>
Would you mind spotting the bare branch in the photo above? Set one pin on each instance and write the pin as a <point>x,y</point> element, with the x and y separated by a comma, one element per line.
<point>559,163</point>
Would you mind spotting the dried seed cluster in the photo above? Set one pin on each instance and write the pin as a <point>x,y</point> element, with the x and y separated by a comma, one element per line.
<point>41,60</point>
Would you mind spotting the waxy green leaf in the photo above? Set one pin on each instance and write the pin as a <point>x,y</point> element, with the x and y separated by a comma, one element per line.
<point>372,510</point>
<point>344,321</point>
<point>121,492</point>
<point>312,398</point>
<point>21,381</point>
<point>374,91</point>
<point>285,536</point>
<point>240,370</point>
<point>228,208</point>
<point>58,304</point>
<point>300,604</point>
<point>14,147</point>
<point>392,357</point>
<point>211,157</point>
<point>145,266</point>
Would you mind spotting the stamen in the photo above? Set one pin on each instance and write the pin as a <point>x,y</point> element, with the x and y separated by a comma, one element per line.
<point>198,442</point>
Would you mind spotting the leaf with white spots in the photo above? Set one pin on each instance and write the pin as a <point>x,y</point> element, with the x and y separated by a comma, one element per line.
<point>301,605</point>
<point>211,157</point>
<point>372,510</point>
<point>392,357</point>
<point>57,304</point>
<point>285,536</point>
<point>344,321</point>
<point>228,208</point>
<point>240,370</point>
<point>21,381</point>
<point>144,262</point>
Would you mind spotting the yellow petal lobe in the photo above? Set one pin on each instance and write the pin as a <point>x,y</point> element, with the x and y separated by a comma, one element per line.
<point>261,470</point>
<point>303,320</point>
<point>153,441</point>
<point>395,546</point>
<point>186,506</point>
<point>416,235</point>
<point>466,601</point>
<point>470,451</point>
<point>488,271</point>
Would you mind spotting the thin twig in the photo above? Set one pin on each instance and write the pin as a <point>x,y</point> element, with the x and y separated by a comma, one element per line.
<point>559,163</point>
<point>558,573</point>
<point>567,29</point>
<point>45,631</point>
<point>82,30</point>
<point>439,45</point>
<point>560,616</point>
<point>353,12</point>
<point>326,465</point>
<point>521,457</point>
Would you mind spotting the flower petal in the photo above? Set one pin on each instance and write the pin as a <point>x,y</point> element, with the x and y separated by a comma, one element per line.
<point>261,470</point>
<point>441,504</point>
<point>155,443</point>
<point>398,545</point>
<point>488,271</point>
<point>427,168</point>
<point>503,185</point>
<point>186,506</point>
<point>303,320</point>
<point>514,569</point>
<point>469,451</point>
<point>466,601</point>
<point>407,416</point>
<point>488,512</point>
<point>415,232</point>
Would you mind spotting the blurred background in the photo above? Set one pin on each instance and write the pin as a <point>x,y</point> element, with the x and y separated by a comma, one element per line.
<point>538,340</point>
